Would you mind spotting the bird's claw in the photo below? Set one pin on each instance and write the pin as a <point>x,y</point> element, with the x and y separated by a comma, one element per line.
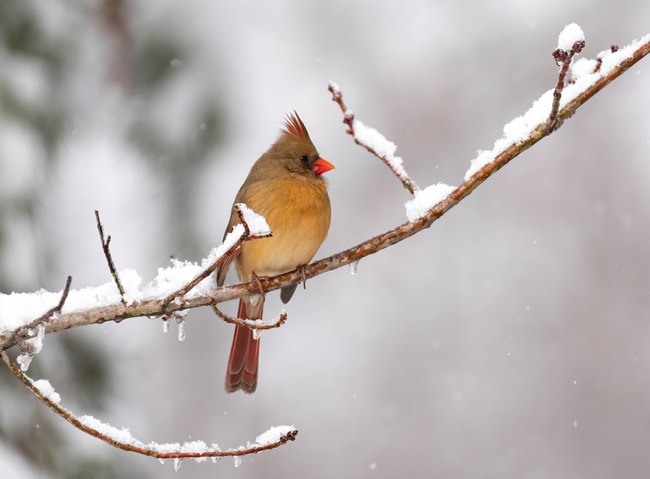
<point>302,269</point>
<point>255,280</point>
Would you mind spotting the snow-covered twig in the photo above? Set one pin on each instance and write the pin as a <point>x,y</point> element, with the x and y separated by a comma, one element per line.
<point>372,140</point>
<point>571,41</point>
<point>122,438</point>
<point>245,214</point>
<point>38,325</point>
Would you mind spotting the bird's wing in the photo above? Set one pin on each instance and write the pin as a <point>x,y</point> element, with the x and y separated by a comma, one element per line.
<point>223,268</point>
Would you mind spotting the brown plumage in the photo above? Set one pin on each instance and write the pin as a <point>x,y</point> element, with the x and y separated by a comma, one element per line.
<point>285,186</point>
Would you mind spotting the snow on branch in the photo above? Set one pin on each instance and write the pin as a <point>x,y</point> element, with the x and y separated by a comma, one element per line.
<point>175,288</point>
<point>255,227</point>
<point>186,285</point>
<point>122,438</point>
<point>31,347</point>
<point>372,140</point>
<point>570,42</point>
<point>555,106</point>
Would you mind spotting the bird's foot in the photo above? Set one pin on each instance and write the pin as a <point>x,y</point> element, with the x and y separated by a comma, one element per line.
<point>302,269</point>
<point>255,280</point>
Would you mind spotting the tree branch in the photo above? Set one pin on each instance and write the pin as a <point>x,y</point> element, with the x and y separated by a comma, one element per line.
<point>606,69</point>
<point>160,307</point>
<point>122,439</point>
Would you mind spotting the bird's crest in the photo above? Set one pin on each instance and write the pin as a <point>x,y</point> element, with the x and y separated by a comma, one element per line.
<point>294,126</point>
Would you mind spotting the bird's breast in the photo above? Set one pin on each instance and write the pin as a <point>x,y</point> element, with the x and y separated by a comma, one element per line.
<point>298,213</point>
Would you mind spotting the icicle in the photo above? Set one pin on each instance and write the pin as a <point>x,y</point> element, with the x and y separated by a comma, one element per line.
<point>31,347</point>
<point>177,463</point>
<point>181,328</point>
<point>24,360</point>
<point>40,331</point>
<point>257,333</point>
<point>165,325</point>
<point>353,268</point>
<point>238,460</point>
<point>162,461</point>
<point>215,447</point>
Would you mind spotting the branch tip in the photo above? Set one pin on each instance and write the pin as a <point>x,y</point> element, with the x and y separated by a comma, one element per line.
<point>563,59</point>
<point>109,258</point>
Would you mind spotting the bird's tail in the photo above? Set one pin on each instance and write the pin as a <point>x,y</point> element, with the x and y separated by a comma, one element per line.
<point>245,350</point>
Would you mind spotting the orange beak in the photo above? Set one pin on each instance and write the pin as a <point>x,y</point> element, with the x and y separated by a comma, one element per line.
<point>321,166</point>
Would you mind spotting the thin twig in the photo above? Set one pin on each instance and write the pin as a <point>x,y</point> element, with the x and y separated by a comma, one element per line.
<point>109,258</point>
<point>49,314</point>
<point>563,59</point>
<point>251,323</point>
<point>135,445</point>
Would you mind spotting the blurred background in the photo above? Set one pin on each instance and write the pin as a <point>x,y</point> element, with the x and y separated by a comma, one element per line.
<point>509,340</point>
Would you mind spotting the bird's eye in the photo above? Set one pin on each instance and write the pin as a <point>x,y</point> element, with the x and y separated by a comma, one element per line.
<point>304,159</point>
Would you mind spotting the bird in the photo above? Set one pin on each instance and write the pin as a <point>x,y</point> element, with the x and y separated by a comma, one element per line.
<point>285,186</point>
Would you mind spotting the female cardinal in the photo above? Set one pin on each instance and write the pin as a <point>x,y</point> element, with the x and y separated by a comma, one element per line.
<point>285,186</point>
